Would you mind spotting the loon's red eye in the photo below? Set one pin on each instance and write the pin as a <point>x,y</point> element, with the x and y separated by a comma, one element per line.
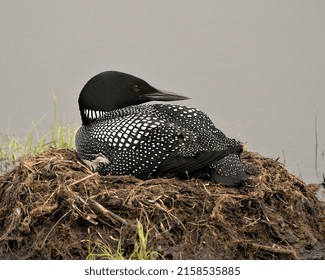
<point>136,88</point>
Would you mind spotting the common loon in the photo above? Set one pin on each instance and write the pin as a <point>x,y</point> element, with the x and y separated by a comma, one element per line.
<point>121,136</point>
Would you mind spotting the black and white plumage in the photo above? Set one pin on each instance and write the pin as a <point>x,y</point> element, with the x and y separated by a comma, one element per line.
<point>121,137</point>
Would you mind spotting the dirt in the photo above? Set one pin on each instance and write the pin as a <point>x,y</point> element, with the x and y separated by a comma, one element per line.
<point>53,207</point>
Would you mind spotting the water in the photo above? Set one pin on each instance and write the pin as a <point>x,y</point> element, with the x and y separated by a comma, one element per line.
<point>257,68</point>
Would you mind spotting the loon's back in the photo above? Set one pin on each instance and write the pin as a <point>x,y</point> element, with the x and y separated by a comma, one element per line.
<point>159,139</point>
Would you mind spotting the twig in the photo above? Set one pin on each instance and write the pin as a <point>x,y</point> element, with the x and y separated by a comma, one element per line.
<point>276,250</point>
<point>15,216</point>
<point>316,144</point>
<point>81,180</point>
<point>53,228</point>
<point>108,213</point>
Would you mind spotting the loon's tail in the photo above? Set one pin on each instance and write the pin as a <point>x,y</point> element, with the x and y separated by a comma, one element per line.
<point>229,171</point>
<point>177,164</point>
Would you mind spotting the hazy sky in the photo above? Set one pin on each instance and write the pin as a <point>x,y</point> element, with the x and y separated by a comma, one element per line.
<point>256,67</point>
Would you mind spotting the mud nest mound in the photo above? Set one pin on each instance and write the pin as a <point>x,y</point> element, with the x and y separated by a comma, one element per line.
<point>53,207</point>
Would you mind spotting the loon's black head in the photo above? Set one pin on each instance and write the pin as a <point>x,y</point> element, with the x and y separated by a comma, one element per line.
<point>113,90</point>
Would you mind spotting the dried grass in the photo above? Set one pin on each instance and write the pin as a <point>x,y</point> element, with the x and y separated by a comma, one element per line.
<point>51,207</point>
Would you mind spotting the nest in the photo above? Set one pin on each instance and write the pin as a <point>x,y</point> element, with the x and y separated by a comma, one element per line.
<point>53,207</point>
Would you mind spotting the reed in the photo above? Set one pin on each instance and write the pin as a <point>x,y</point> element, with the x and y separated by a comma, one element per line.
<point>100,250</point>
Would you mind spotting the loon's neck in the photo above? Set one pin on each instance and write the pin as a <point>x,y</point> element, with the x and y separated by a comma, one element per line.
<point>89,116</point>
